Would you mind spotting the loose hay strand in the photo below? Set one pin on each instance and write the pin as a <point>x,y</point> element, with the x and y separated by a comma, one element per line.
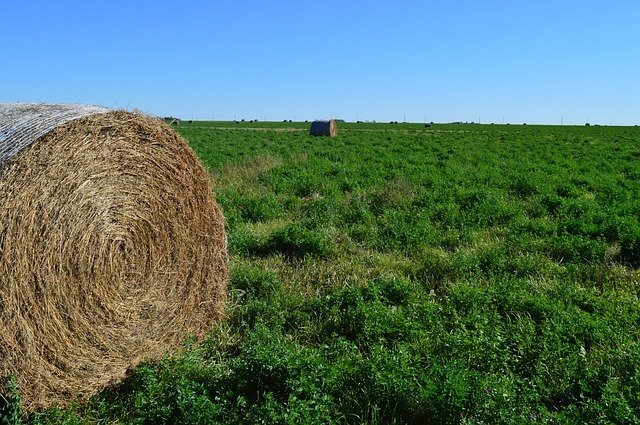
<point>112,251</point>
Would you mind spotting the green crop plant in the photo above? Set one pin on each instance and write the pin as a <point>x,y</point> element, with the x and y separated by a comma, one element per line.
<point>397,273</point>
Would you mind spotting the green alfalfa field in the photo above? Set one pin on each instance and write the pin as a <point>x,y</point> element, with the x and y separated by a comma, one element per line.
<point>408,274</point>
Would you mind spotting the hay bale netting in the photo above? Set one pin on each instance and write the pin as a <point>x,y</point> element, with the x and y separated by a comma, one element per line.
<point>324,128</point>
<point>112,248</point>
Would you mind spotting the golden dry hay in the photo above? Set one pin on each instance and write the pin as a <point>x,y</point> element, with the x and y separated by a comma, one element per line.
<point>324,128</point>
<point>112,251</point>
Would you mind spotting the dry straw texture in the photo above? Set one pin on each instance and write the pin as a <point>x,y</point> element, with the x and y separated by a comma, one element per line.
<point>324,128</point>
<point>23,123</point>
<point>112,251</point>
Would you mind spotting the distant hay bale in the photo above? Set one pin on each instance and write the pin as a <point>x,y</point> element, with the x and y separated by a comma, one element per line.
<point>324,128</point>
<point>112,248</point>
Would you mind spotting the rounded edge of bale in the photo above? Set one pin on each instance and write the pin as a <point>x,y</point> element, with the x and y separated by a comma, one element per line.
<point>324,128</point>
<point>113,252</point>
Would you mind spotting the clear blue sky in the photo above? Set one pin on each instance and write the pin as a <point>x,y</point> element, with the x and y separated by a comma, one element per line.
<point>524,61</point>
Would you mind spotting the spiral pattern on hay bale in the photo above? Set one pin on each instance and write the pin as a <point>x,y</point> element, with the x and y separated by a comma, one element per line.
<point>112,249</point>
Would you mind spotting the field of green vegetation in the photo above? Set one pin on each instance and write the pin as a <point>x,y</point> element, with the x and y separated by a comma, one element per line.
<point>397,273</point>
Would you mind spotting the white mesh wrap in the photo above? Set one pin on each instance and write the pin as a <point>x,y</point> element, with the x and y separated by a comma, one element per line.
<point>23,123</point>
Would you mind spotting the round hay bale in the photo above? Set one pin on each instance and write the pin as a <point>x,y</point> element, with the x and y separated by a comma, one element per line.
<point>324,128</point>
<point>112,248</point>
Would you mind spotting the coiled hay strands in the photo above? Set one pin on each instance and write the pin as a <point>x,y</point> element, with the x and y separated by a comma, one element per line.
<point>112,248</point>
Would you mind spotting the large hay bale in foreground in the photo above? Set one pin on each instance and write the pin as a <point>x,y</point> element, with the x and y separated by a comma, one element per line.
<point>324,128</point>
<point>112,248</point>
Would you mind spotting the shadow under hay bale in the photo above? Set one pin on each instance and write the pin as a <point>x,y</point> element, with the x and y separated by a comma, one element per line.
<point>324,128</point>
<point>112,248</point>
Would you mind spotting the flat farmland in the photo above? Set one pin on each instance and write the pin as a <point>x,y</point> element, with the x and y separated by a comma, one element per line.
<point>403,273</point>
